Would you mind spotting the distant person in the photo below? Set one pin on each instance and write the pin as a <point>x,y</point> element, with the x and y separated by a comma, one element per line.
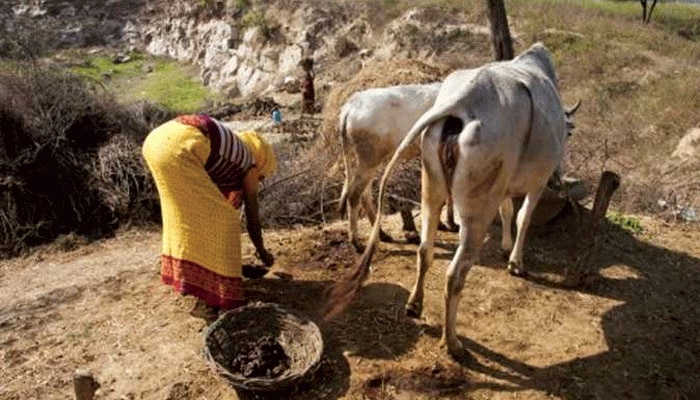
<point>308,95</point>
<point>277,123</point>
<point>204,173</point>
<point>277,120</point>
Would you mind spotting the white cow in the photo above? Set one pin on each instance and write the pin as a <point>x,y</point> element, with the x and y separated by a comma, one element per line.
<point>372,124</point>
<point>493,133</point>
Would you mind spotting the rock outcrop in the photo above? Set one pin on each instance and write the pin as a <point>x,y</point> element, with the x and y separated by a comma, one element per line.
<point>240,50</point>
<point>688,148</point>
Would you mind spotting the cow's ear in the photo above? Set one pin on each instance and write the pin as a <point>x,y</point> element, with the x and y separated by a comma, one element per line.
<point>572,110</point>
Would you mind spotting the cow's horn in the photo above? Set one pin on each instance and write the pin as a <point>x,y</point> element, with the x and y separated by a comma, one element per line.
<point>572,110</point>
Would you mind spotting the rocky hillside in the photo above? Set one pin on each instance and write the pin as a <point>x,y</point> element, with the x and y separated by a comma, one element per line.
<point>245,50</point>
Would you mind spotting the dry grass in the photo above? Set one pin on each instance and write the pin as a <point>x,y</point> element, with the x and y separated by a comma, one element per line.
<point>639,88</point>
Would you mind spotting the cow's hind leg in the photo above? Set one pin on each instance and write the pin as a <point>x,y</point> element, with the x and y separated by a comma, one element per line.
<point>515,262</point>
<point>471,238</point>
<point>372,215</point>
<point>431,205</point>
<point>506,211</point>
<point>356,192</point>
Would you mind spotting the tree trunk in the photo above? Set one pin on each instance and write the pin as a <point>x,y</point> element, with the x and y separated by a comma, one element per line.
<point>646,18</point>
<point>501,42</point>
<point>577,275</point>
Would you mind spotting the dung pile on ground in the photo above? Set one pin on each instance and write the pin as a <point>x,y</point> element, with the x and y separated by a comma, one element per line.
<point>70,159</point>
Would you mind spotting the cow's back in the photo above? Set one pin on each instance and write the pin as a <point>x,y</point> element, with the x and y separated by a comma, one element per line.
<point>520,131</point>
<point>379,118</point>
<point>496,119</point>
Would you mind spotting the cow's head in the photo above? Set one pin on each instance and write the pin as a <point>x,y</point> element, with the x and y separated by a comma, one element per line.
<point>554,182</point>
<point>569,117</point>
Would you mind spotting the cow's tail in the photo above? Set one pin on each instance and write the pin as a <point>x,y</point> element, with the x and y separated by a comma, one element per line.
<point>342,130</point>
<point>343,292</point>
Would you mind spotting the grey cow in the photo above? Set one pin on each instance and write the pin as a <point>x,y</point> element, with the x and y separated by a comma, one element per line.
<point>372,124</point>
<point>494,133</point>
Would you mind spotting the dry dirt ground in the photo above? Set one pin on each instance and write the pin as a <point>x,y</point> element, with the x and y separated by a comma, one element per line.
<point>632,332</point>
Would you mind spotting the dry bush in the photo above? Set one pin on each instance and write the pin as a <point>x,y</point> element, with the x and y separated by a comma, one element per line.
<point>305,188</point>
<point>307,185</point>
<point>119,173</point>
<point>71,160</point>
<point>139,118</point>
<point>123,182</point>
<point>45,173</point>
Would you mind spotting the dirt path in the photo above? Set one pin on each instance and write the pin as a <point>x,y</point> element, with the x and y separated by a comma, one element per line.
<point>631,333</point>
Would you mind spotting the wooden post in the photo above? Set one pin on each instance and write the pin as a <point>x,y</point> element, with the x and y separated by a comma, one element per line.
<point>85,385</point>
<point>609,182</point>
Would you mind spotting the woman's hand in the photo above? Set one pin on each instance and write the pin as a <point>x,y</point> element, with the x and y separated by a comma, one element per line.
<point>267,258</point>
<point>254,272</point>
<point>251,185</point>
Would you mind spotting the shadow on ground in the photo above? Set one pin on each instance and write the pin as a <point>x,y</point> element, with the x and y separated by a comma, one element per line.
<point>374,327</point>
<point>652,336</point>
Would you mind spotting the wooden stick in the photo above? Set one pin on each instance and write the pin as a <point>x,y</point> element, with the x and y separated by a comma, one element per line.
<point>609,182</point>
<point>85,385</point>
<point>286,178</point>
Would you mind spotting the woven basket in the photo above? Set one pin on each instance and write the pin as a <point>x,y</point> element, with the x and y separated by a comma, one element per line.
<point>231,332</point>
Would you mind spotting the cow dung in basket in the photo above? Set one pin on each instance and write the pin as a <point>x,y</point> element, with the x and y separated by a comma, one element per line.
<point>262,347</point>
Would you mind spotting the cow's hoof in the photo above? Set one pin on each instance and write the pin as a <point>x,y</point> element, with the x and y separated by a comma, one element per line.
<point>412,237</point>
<point>454,347</point>
<point>414,310</point>
<point>516,270</point>
<point>384,237</point>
